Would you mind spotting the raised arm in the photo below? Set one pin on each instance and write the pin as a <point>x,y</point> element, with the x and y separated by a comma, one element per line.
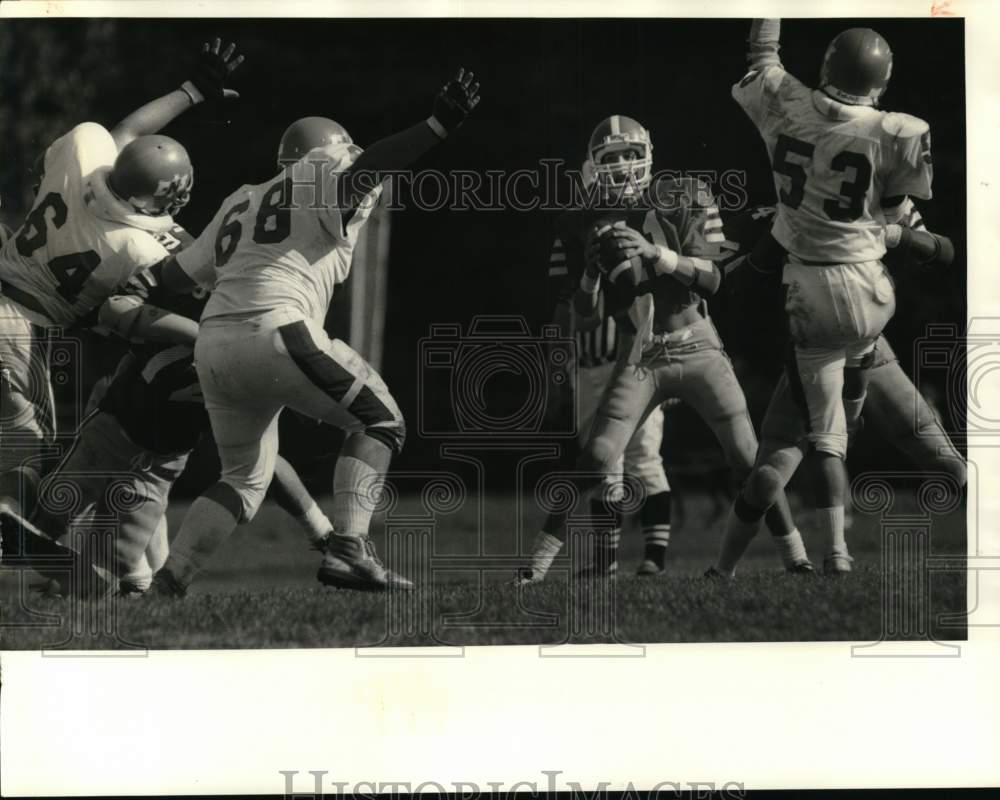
<point>452,105</point>
<point>762,44</point>
<point>208,83</point>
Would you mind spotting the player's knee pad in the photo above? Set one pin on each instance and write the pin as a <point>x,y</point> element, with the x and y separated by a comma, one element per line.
<point>391,434</point>
<point>763,487</point>
<point>19,488</point>
<point>249,494</point>
<point>600,455</point>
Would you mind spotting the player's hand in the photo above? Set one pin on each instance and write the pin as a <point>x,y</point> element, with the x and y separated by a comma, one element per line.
<point>456,100</point>
<point>623,242</point>
<point>212,72</point>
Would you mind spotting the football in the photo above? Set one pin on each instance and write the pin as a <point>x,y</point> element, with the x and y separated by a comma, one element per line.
<point>625,273</point>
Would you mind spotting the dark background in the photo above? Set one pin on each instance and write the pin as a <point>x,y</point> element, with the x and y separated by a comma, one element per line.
<point>545,85</point>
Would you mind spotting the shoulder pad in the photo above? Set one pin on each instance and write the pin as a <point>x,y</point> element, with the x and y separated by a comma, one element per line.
<point>904,126</point>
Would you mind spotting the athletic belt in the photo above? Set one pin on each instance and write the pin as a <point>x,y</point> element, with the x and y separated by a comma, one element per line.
<point>23,298</point>
<point>792,259</point>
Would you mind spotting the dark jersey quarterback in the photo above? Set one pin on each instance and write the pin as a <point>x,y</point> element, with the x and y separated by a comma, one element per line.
<point>155,396</point>
<point>676,212</point>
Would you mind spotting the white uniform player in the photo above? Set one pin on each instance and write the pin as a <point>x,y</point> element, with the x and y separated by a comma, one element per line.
<point>78,243</point>
<point>842,169</point>
<point>274,255</point>
<point>833,165</point>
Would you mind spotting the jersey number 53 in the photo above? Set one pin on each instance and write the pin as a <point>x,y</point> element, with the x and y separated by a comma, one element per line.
<point>852,191</point>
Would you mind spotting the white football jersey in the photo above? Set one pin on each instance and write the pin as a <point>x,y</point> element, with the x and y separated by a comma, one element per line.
<point>66,259</point>
<point>281,244</point>
<point>833,163</point>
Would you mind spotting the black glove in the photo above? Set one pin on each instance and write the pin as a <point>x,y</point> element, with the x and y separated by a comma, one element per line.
<point>455,100</point>
<point>926,247</point>
<point>209,80</point>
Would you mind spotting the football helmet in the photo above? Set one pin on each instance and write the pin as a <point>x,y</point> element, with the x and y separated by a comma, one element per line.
<point>307,134</point>
<point>856,67</point>
<point>620,153</point>
<point>153,175</point>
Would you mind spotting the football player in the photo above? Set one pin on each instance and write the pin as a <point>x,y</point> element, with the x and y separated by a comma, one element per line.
<point>103,207</point>
<point>146,420</point>
<point>597,350</point>
<point>842,169</point>
<point>893,406</point>
<point>275,253</point>
<point>652,243</point>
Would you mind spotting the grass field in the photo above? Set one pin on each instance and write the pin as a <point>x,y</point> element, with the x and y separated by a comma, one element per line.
<point>260,591</point>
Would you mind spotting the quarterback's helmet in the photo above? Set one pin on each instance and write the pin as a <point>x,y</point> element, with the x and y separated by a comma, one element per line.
<point>153,175</point>
<point>614,140</point>
<point>856,67</point>
<point>307,134</point>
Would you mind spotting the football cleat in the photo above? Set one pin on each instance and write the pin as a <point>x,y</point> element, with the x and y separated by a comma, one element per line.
<point>856,67</point>
<point>801,568</point>
<point>837,564</point>
<point>307,134</point>
<point>49,589</point>
<point>713,574</point>
<point>321,545</point>
<point>153,176</point>
<point>129,590</point>
<point>527,577</point>
<point>620,156</point>
<point>648,568</point>
<point>352,563</point>
<point>165,584</point>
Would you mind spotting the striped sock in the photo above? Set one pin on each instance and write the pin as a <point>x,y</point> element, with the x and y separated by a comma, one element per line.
<point>545,550</point>
<point>655,516</point>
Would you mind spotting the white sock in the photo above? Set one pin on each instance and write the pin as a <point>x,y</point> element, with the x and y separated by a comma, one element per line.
<point>206,526</point>
<point>352,509</point>
<point>830,521</point>
<point>791,548</point>
<point>315,523</point>
<point>546,548</point>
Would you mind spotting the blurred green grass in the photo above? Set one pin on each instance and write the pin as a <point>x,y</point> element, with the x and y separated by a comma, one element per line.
<point>259,591</point>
